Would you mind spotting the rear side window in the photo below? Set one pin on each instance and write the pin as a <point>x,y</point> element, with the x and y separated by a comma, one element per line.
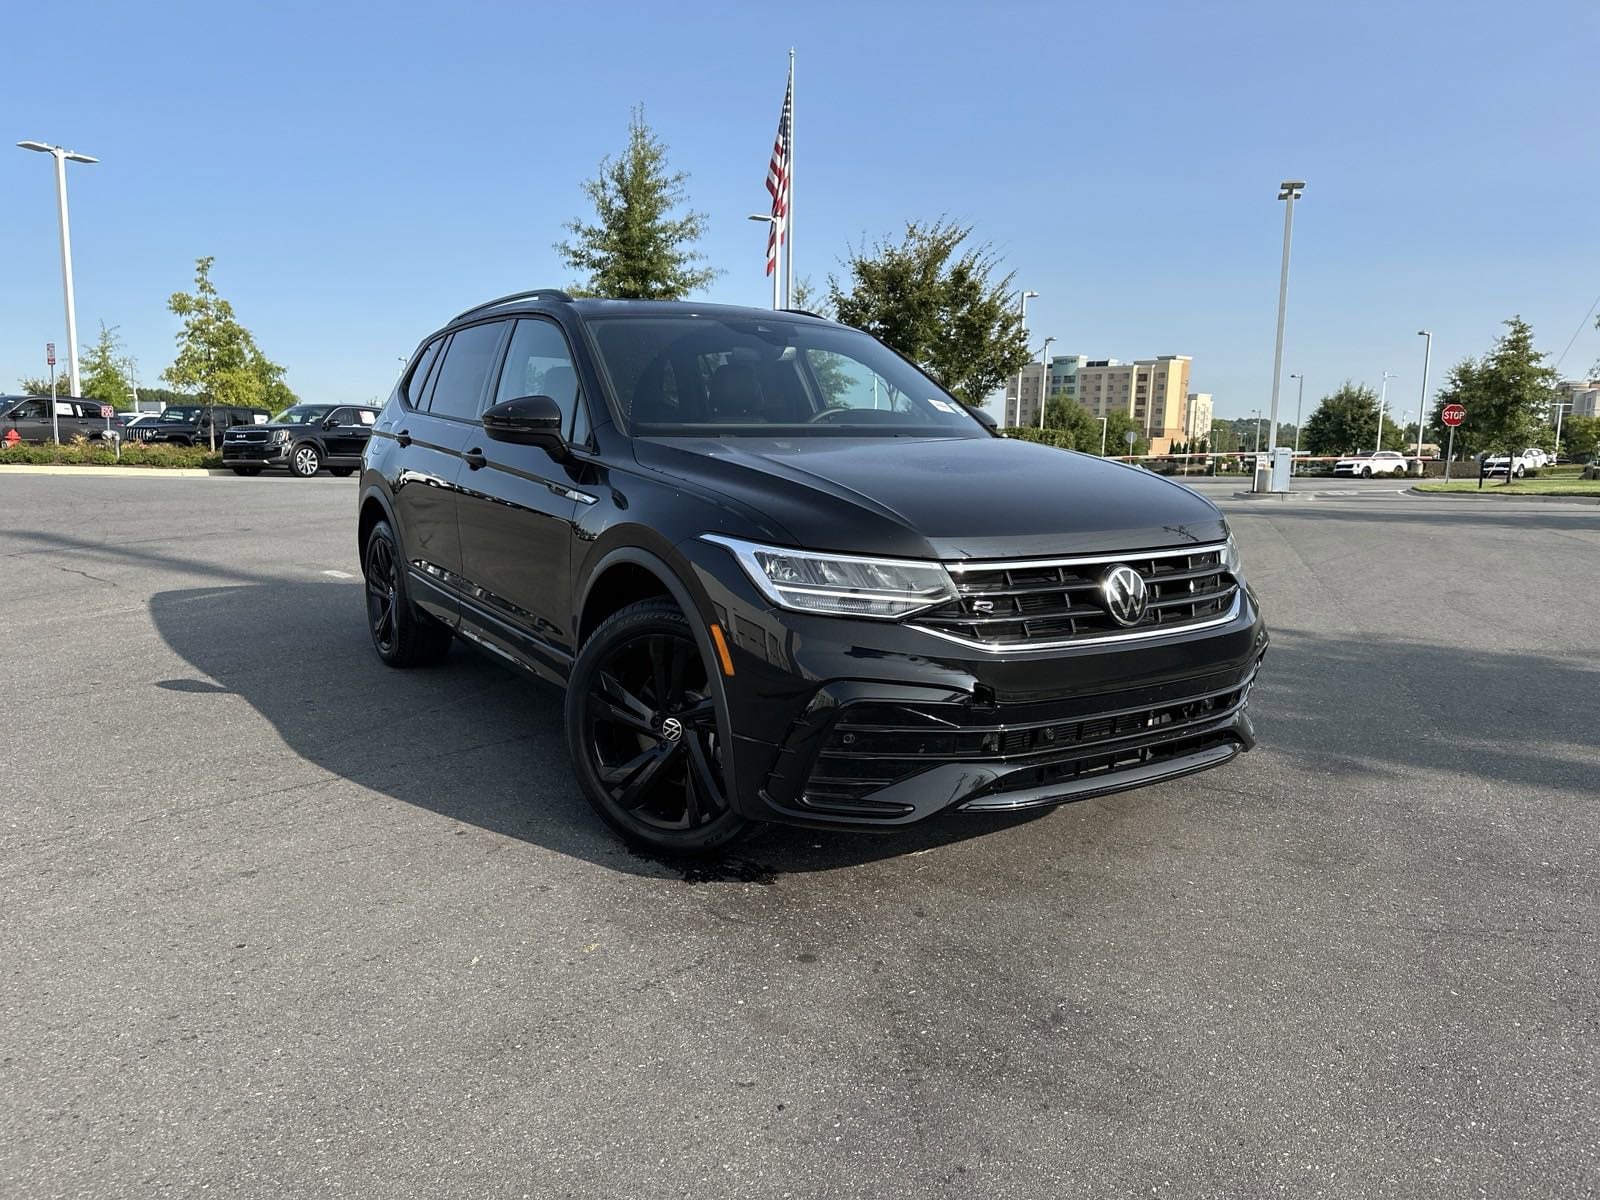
<point>463,376</point>
<point>538,363</point>
<point>416,386</point>
<point>342,416</point>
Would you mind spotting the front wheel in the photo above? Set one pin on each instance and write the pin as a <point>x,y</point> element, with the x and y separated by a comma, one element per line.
<point>305,461</point>
<point>1519,472</point>
<point>645,738</point>
<point>1366,472</point>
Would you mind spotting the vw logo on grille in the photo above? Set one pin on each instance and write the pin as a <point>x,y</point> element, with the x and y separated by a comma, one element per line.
<point>1125,595</point>
<point>672,729</point>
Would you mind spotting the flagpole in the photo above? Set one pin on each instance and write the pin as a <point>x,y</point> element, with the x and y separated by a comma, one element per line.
<point>788,215</point>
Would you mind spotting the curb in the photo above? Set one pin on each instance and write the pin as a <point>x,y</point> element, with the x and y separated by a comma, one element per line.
<point>120,472</point>
<point>1497,496</point>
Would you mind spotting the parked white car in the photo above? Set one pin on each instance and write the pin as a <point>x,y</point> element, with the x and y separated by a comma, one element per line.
<point>1520,463</point>
<point>1537,458</point>
<point>1384,462</point>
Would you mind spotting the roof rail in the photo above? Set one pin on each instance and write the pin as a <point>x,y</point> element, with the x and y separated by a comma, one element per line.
<point>535,294</point>
<point>804,312</point>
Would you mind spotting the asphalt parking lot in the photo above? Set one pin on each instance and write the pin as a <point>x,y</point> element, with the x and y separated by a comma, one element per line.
<point>282,922</point>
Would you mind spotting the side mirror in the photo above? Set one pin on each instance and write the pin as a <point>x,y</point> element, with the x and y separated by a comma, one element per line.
<point>986,419</point>
<point>330,423</point>
<point>527,421</point>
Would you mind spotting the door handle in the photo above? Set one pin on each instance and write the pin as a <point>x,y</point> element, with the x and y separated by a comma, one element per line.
<point>404,438</point>
<point>474,458</point>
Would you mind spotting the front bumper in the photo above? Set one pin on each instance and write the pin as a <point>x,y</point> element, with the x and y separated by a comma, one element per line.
<point>850,723</point>
<point>254,454</point>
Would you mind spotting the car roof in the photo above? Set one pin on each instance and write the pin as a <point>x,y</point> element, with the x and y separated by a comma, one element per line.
<point>547,300</point>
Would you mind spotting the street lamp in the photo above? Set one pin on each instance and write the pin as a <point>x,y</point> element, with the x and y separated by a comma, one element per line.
<point>1102,421</point>
<point>1422,404</point>
<point>1289,190</point>
<point>1383,407</point>
<point>1022,307</point>
<point>777,295</point>
<point>1258,432</point>
<point>1298,405</point>
<point>1561,407</point>
<point>62,157</point>
<point>1044,372</point>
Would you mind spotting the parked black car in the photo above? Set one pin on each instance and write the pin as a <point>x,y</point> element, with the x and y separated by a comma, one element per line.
<point>191,424</point>
<point>305,439</point>
<point>784,576</point>
<point>29,416</point>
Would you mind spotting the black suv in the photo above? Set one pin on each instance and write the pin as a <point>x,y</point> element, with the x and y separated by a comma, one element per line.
<point>192,424</point>
<point>784,576</point>
<point>304,438</point>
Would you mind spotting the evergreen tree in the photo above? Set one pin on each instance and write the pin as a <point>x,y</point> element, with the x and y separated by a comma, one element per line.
<point>1507,393</point>
<point>636,248</point>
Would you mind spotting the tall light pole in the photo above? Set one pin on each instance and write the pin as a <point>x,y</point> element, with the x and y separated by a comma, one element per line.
<point>1103,427</point>
<point>1422,404</point>
<point>1044,373</point>
<point>1561,407</point>
<point>1298,405</point>
<point>1383,407</point>
<point>1022,307</point>
<point>62,157</point>
<point>777,271</point>
<point>1258,432</point>
<point>1289,190</point>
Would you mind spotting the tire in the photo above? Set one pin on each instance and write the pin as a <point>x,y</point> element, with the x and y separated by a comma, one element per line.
<point>341,472</point>
<point>1520,472</point>
<point>645,737</point>
<point>402,635</point>
<point>1366,472</point>
<point>305,460</point>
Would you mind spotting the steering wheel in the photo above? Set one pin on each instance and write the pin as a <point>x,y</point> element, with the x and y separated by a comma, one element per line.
<point>828,414</point>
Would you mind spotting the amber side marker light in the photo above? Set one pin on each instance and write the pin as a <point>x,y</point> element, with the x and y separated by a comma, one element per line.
<point>722,649</point>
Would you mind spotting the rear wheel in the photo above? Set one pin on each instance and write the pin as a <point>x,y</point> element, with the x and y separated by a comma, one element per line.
<point>305,460</point>
<point>645,738</point>
<point>402,636</point>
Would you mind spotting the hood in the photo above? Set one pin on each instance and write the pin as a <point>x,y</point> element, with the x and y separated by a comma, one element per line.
<point>947,498</point>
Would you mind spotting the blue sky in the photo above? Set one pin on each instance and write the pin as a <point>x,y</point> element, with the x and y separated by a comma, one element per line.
<point>361,173</point>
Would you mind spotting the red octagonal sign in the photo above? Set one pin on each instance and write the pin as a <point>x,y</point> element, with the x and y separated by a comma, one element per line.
<point>1453,415</point>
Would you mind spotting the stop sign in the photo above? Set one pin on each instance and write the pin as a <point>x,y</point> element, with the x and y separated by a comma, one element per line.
<point>1453,415</point>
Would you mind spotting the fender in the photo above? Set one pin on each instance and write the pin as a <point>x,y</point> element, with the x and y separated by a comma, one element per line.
<point>373,492</point>
<point>699,623</point>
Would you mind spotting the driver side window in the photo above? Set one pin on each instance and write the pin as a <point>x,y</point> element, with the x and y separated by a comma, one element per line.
<point>538,363</point>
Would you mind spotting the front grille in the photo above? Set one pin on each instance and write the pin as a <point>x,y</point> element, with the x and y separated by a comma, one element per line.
<point>874,745</point>
<point>248,435</point>
<point>137,433</point>
<point>1058,601</point>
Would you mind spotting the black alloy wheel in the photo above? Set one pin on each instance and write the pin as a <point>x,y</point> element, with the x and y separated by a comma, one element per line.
<point>642,723</point>
<point>402,636</point>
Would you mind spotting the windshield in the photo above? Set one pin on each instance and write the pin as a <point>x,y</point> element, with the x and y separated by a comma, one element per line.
<point>182,412</point>
<point>301,414</point>
<point>711,376</point>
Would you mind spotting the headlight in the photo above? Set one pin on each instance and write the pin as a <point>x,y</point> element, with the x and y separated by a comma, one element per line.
<point>280,436</point>
<point>840,584</point>
<point>1230,558</point>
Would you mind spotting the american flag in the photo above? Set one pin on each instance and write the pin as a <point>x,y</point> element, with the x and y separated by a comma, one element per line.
<point>778,179</point>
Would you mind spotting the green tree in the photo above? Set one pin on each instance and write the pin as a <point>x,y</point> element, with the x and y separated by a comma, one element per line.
<point>636,248</point>
<point>41,387</point>
<point>1118,426</point>
<point>1580,437</point>
<point>1345,422</point>
<point>103,374</point>
<point>218,359</point>
<point>1507,393</point>
<point>934,298</point>
<point>1073,419</point>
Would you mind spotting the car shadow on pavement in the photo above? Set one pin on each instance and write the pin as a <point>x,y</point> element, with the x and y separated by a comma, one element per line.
<point>470,739</point>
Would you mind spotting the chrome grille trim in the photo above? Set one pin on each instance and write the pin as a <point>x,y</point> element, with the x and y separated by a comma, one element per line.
<point>1019,604</point>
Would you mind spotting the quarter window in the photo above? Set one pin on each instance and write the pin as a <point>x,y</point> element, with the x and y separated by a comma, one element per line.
<point>464,373</point>
<point>416,387</point>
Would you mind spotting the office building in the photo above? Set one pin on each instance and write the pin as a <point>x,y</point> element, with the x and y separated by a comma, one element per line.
<point>1197,418</point>
<point>1582,394</point>
<point>1153,391</point>
<point>1062,381</point>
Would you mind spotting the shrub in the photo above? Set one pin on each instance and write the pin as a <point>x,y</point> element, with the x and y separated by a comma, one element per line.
<point>83,453</point>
